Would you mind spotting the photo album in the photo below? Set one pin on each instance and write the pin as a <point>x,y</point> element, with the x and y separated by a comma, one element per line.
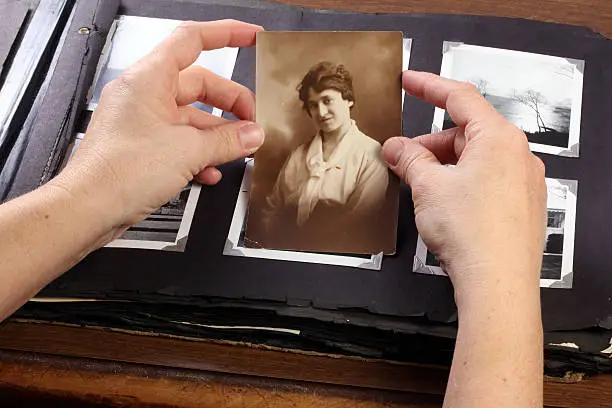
<point>318,190</point>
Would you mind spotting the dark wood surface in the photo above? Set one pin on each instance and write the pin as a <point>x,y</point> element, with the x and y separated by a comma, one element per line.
<point>120,367</point>
<point>48,365</point>
<point>48,379</point>
<point>596,14</point>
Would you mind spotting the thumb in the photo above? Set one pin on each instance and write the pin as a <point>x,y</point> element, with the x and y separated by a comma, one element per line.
<point>227,142</point>
<point>408,158</point>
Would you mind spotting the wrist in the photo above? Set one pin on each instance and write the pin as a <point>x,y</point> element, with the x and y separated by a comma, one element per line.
<point>498,290</point>
<point>92,216</point>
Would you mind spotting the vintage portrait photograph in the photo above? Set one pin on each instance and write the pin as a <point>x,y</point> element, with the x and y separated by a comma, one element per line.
<point>235,241</point>
<point>540,94</point>
<point>558,258</point>
<point>320,183</point>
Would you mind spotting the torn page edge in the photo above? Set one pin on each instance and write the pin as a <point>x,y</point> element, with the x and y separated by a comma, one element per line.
<point>608,350</point>
<point>257,328</point>
<point>565,345</point>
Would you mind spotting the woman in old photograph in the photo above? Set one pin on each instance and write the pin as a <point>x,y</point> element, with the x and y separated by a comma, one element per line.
<point>331,188</point>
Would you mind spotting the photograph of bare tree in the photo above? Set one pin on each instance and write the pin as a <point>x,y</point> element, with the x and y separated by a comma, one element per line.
<point>540,94</point>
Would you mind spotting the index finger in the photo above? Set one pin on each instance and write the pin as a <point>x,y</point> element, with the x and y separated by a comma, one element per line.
<point>461,100</point>
<point>183,47</point>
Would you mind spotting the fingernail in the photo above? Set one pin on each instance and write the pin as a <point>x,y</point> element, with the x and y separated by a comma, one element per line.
<point>392,151</point>
<point>251,136</point>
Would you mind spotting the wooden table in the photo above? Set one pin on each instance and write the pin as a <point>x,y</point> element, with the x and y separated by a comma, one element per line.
<point>52,365</point>
<point>135,370</point>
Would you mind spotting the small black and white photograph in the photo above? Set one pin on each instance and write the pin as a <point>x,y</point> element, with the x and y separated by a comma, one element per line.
<point>167,228</point>
<point>540,94</point>
<point>320,183</point>
<point>235,241</point>
<point>133,37</point>
<point>558,257</point>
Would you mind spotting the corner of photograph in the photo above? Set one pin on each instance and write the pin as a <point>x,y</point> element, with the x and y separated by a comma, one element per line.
<point>320,183</point>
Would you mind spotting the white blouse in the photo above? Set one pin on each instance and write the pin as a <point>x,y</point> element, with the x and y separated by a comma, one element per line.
<point>354,176</point>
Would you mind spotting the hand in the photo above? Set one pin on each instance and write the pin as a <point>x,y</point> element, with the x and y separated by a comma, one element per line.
<point>145,143</point>
<point>485,217</point>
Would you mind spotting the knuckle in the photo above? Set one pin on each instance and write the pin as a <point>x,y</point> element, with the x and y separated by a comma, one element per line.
<point>187,25</point>
<point>540,166</point>
<point>124,82</point>
<point>230,21</point>
<point>470,88</point>
<point>514,137</point>
<point>461,93</point>
<point>224,143</point>
<point>407,165</point>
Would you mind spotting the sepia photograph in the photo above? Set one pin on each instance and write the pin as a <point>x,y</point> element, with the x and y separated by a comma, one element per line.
<point>320,183</point>
<point>540,94</point>
<point>558,251</point>
<point>234,243</point>
<point>132,37</point>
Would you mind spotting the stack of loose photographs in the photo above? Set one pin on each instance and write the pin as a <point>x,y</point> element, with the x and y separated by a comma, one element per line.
<point>541,95</point>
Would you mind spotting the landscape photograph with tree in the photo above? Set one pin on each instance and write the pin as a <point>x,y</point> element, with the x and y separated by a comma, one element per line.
<point>540,94</point>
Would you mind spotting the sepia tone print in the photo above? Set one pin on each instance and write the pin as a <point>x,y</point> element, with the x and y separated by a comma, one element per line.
<point>320,183</point>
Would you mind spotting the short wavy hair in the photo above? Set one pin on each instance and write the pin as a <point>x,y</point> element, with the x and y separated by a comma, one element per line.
<point>326,75</point>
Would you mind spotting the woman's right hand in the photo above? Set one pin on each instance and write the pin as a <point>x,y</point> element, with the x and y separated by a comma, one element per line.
<point>485,217</point>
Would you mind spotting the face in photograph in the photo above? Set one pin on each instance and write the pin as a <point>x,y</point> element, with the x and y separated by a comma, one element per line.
<point>329,111</point>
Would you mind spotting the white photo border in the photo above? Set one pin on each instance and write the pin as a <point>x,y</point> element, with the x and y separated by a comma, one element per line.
<point>406,53</point>
<point>179,244</point>
<point>232,248</point>
<point>573,147</point>
<point>569,233</point>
